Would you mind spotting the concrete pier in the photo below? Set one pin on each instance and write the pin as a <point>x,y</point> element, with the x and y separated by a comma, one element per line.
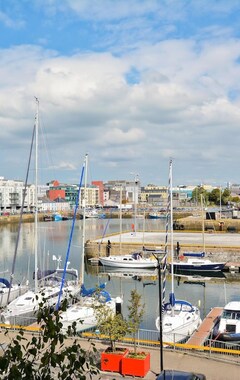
<point>218,246</point>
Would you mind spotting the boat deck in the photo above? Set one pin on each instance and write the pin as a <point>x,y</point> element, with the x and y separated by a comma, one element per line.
<point>204,330</point>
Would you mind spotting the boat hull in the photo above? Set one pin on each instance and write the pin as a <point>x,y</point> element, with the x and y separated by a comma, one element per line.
<point>181,329</point>
<point>185,267</point>
<point>15,292</point>
<point>127,262</point>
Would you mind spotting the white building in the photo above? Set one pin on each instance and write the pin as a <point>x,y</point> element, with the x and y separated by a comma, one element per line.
<point>11,195</point>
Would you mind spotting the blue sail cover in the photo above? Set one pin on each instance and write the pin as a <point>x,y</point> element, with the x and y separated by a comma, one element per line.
<point>103,296</point>
<point>5,282</point>
<point>172,299</point>
<point>89,292</point>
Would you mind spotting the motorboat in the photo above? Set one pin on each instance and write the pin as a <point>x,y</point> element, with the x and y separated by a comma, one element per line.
<point>197,265</point>
<point>134,260</point>
<point>227,328</point>
<point>157,215</point>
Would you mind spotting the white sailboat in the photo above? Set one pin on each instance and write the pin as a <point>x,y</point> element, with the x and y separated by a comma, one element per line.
<point>23,309</point>
<point>83,313</point>
<point>15,291</point>
<point>179,317</point>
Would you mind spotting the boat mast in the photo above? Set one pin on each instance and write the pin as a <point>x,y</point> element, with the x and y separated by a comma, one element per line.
<point>36,195</point>
<point>203,225</point>
<point>120,216</point>
<point>84,217</point>
<point>171,225</point>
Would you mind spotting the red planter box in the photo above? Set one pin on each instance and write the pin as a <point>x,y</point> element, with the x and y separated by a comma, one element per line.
<point>135,366</point>
<point>112,361</point>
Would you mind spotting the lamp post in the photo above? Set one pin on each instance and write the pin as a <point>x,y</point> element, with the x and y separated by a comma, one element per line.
<point>135,192</point>
<point>220,201</point>
<point>160,310</point>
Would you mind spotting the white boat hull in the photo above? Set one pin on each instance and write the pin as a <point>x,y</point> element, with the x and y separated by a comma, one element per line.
<point>178,325</point>
<point>83,314</point>
<point>23,309</point>
<point>16,291</point>
<point>127,261</point>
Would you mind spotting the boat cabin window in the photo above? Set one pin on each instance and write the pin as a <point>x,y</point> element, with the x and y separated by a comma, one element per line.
<point>231,328</point>
<point>229,314</point>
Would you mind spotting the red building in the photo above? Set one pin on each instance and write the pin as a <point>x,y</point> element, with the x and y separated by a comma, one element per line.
<point>99,184</point>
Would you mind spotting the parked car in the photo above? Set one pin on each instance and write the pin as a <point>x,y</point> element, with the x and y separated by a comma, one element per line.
<point>171,374</point>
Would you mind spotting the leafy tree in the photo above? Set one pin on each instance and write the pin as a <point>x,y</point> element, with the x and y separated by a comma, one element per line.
<point>136,311</point>
<point>235,199</point>
<point>197,192</point>
<point>226,196</point>
<point>112,325</point>
<point>214,196</point>
<point>46,356</point>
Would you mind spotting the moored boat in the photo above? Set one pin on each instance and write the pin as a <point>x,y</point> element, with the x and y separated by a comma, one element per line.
<point>197,265</point>
<point>227,328</point>
<point>135,260</point>
<point>179,317</point>
<point>15,290</point>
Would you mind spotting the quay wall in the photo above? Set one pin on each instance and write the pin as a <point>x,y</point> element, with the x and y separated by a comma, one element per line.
<point>94,249</point>
<point>195,224</point>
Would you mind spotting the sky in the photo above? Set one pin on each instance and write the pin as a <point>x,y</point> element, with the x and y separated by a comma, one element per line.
<point>131,83</point>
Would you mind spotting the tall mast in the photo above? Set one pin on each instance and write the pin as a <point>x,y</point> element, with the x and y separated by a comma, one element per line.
<point>120,216</point>
<point>203,224</point>
<point>171,222</point>
<point>36,194</point>
<point>84,216</point>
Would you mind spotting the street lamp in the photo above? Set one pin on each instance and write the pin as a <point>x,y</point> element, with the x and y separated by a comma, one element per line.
<point>160,309</point>
<point>136,180</point>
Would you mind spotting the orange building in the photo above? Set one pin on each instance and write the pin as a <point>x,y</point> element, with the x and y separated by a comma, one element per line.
<point>56,191</point>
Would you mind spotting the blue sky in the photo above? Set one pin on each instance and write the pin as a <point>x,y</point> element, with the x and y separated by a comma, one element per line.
<point>132,83</point>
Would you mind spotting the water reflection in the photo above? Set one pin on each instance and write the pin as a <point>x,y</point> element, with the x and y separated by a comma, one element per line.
<point>53,240</point>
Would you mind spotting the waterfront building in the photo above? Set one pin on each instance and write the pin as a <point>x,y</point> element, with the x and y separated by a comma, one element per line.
<point>129,191</point>
<point>59,205</point>
<point>11,196</point>
<point>100,186</point>
<point>70,192</point>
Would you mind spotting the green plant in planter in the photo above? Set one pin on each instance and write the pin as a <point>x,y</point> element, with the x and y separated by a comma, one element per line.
<point>136,311</point>
<point>135,363</point>
<point>112,325</point>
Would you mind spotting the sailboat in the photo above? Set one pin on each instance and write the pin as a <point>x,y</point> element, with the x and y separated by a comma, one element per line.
<point>15,291</point>
<point>196,261</point>
<point>136,260</point>
<point>179,317</point>
<point>23,309</point>
<point>83,312</point>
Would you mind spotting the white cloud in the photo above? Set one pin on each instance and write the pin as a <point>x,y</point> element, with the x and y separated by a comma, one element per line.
<point>184,102</point>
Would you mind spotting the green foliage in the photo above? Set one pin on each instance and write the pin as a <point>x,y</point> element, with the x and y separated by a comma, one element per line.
<point>216,196</point>
<point>114,326</point>
<point>135,316</point>
<point>198,192</point>
<point>47,355</point>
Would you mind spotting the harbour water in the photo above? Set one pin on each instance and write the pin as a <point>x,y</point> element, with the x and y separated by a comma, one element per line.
<point>54,238</point>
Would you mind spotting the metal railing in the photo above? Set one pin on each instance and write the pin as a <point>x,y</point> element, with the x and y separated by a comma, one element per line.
<point>151,338</point>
